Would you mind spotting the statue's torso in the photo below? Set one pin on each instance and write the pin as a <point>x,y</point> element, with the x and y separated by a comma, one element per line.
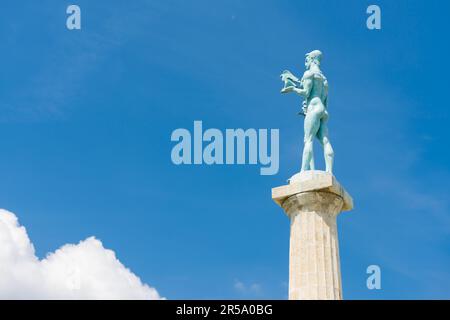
<point>319,86</point>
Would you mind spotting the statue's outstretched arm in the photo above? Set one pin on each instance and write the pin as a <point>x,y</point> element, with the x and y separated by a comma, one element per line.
<point>305,90</point>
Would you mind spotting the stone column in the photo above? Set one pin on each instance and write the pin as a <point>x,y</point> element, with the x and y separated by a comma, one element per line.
<point>312,200</point>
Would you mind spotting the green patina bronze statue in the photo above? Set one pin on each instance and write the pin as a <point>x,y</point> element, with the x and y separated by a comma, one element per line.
<point>313,87</point>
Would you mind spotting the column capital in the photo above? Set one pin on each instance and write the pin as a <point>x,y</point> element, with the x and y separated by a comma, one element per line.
<point>314,184</point>
<point>321,202</point>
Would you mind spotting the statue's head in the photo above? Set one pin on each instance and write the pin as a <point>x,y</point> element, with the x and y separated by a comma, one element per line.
<point>313,57</point>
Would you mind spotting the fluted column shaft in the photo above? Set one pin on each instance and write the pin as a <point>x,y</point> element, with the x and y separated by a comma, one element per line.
<point>314,270</point>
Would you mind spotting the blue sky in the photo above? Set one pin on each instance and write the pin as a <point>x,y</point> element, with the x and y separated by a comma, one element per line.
<point>86,118</point>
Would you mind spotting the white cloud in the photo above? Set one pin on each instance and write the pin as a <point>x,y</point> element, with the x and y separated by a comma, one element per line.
<point>83,271</point>
<point>247,289</point>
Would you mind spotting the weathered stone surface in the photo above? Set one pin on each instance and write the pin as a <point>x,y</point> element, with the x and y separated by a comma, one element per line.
<point>312,200</point>
<point>313,180</point>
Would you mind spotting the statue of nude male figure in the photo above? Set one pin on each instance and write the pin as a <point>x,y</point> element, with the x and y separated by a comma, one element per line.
<point>313,87</point>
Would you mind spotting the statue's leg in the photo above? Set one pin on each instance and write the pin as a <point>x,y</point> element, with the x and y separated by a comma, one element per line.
<point>322,135</point>
<point>312,124</point>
